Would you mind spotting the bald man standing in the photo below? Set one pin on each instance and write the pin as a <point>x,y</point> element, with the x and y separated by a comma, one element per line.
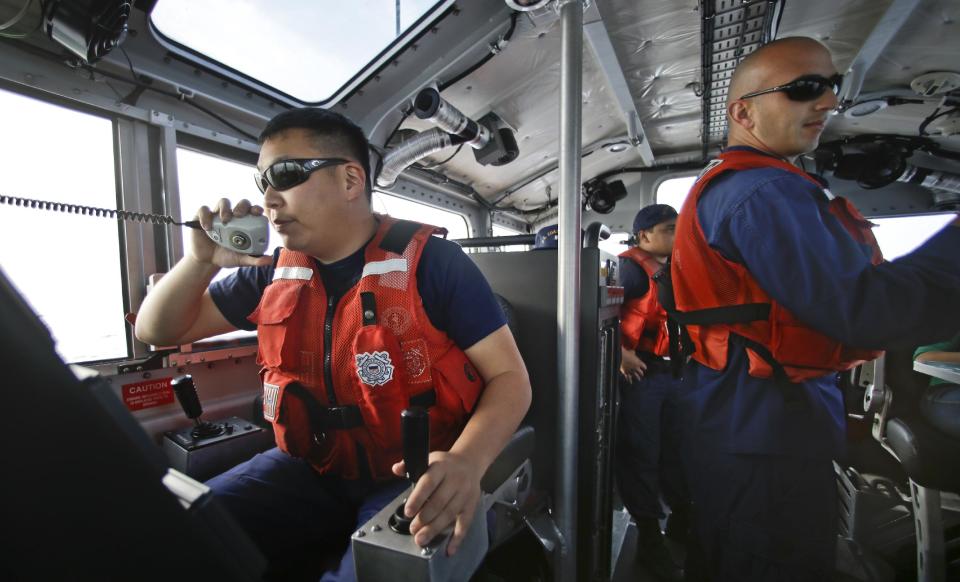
<point>780,285</point>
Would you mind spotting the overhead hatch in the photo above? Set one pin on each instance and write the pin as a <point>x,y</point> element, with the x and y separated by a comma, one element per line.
<point>311,51</point>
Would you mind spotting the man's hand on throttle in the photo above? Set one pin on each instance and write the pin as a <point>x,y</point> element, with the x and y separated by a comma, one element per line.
<point>447,494</point>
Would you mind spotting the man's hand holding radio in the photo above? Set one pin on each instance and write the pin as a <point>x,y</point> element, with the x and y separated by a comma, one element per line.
<point>205,250</point>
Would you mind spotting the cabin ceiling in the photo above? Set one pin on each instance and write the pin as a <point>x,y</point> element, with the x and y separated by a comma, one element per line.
<point>658,45</point>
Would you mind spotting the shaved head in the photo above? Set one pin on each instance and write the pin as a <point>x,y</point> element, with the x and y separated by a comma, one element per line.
<point>758,69</point>
<point>772,122</point>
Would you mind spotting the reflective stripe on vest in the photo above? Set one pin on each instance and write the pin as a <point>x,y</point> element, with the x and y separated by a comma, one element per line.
<point>295,273</point>
<point>339,405</point>
<point>642,319</point>
<point>703,279</point>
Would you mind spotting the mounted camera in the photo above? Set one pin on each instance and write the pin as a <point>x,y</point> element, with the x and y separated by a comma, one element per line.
<point>88,28</point>
<point>875,161</point>
<point>601,197</point>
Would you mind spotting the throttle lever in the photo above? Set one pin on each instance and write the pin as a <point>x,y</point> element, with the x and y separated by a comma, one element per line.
<point>186,392</point>
<point>415,431</point>
<point>415,427</point>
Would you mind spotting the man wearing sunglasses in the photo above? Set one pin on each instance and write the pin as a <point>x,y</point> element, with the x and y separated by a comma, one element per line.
<point>358,316</point>
<point>779,286</point>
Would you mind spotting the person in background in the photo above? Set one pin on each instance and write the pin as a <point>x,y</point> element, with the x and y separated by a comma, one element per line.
<point>647,463</point>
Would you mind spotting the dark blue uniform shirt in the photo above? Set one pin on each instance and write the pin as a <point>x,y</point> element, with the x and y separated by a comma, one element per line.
<point>777,224</point>
<point>634,280</point>
<point>457,298</point>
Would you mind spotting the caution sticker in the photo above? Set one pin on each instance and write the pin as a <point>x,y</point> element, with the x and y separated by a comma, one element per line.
<point>147,394</point>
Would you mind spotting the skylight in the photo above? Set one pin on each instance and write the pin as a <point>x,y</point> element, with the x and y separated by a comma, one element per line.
<point>308,50</point>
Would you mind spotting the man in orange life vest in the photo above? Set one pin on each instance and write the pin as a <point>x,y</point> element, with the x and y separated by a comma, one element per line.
<point>358,316</point>
<point>780,286</point>
<point>647,455</point>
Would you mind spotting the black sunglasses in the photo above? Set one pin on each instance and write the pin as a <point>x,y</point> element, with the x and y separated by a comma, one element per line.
<point>805,88</point>
<point>286,174</point>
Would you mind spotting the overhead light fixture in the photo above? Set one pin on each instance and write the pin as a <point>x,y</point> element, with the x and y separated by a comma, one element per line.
<point>936,83</point>
<point>601,197</point>
<point>88,28</point>
<point>865,108</point>
<point>526,5</point>
<point>617,147</point>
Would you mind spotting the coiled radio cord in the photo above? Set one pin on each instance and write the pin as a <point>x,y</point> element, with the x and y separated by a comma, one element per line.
<point>158,219</point>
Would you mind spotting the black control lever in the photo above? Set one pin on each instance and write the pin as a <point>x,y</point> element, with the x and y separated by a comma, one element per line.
<point>415,429</point>
<point>415,425</point>
<point>186,394</point>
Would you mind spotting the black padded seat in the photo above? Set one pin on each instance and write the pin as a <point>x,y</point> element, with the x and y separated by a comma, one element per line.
<point>930,458</point>
<point>519,449</point>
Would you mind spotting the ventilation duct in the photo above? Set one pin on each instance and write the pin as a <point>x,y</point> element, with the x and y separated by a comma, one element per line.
<point>411,151</point>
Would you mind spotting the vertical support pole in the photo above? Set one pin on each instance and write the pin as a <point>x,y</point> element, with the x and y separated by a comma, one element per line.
<point>568,288</point>
<point>928,521</point>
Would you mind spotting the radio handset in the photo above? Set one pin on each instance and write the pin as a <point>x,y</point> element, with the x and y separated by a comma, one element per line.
<point>247,235</point>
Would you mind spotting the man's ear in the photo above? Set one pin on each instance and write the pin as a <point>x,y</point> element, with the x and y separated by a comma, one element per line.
<point>355,180</point>
<point>741,114</point>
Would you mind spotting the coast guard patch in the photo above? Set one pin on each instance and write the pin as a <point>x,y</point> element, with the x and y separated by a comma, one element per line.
<point>374,369</point>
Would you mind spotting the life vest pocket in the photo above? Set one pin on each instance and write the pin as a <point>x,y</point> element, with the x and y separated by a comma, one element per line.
<point>276,341</point>
<point>288,415</point>
<point>457,382</point>
<point>380,388</point>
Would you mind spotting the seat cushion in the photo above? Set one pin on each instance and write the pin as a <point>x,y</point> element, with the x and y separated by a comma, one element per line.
<point>929,457</point>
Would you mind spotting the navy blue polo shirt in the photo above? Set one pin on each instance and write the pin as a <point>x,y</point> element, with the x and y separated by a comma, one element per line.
<point>777,224</point>
<point>457,298</point>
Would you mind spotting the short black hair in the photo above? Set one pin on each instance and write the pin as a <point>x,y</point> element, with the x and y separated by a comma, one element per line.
<point>331,130</point>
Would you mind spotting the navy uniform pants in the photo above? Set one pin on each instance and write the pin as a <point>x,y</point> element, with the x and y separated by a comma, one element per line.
<point>761,517</point>
<point>300,520</point>
<point>647,463</point>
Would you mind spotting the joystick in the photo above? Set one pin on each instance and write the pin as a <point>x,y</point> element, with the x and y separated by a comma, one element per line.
<point>186,394</point>
<point>415,427</point>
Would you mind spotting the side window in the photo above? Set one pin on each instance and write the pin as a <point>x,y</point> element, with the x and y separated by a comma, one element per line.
<point>67,266</point>
<point>504,231</point>
<point>205,179</point>
<point>900,235</point>
<point>615,244</point>
<point>674,191</point>
<point>455,224</point>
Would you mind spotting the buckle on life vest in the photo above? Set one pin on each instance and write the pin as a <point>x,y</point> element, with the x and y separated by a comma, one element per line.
<point>324,418</point>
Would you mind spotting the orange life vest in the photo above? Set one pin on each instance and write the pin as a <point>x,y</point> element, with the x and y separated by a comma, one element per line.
<point>337,374</point>
<point>643,322</point>
<point>715,297</point>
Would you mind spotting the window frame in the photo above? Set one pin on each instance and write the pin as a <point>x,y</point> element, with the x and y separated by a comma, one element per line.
<point>413,34</point>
